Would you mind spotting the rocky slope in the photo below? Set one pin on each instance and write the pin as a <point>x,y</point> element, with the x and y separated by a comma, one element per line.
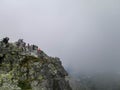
<point>25,67</point>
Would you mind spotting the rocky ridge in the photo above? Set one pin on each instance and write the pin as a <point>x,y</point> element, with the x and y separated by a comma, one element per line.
<point>26,67</point>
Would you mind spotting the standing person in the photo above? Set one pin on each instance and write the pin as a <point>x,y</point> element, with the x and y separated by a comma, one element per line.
<point>24,46</point>
<point>5,40</point>
<point>29,47</point>
<point>39,50</point>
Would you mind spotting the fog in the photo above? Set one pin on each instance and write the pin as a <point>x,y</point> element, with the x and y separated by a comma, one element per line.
<point>85,34</point>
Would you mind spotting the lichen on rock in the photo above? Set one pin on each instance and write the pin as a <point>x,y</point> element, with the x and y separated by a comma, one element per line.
<point>24,67</point>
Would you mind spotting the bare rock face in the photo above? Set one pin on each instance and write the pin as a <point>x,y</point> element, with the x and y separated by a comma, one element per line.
<point>25,67</point>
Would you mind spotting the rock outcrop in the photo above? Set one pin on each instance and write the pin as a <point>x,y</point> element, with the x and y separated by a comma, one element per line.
<point>25,67</point>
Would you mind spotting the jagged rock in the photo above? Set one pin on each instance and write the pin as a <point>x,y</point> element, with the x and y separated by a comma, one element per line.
<point>26,69</point>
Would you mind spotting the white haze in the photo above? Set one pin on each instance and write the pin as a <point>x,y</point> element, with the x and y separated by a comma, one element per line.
<point>85,34</point>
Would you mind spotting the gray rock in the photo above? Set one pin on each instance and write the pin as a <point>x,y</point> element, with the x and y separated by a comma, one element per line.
<point>22,68</point>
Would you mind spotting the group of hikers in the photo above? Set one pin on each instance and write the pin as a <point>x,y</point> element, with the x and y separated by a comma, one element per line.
<point>25,48</point>
<point>28,48</point>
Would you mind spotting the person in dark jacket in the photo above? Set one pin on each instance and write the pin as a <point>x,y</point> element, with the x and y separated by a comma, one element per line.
<point>5,40</point>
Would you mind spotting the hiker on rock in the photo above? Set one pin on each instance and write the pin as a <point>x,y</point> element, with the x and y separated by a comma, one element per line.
<point>28,47</point>
<point>39,50</point>
<point>33,47</point>
<point>24,46</point>
<point>40,53</point>
<point>19,42</point>
<point>5,40</point>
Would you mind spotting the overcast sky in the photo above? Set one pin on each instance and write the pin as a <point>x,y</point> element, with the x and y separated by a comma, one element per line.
<point>85,34</point>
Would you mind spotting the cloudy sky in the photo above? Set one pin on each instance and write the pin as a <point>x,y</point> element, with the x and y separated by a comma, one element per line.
<point>85,34</point>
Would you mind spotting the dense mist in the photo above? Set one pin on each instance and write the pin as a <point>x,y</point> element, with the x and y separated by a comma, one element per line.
<point>85,34</point>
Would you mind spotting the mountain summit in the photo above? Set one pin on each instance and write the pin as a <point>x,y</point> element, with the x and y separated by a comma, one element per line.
<point>27,67</point>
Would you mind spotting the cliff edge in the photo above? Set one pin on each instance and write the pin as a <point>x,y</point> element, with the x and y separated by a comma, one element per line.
<point>26,67</point>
